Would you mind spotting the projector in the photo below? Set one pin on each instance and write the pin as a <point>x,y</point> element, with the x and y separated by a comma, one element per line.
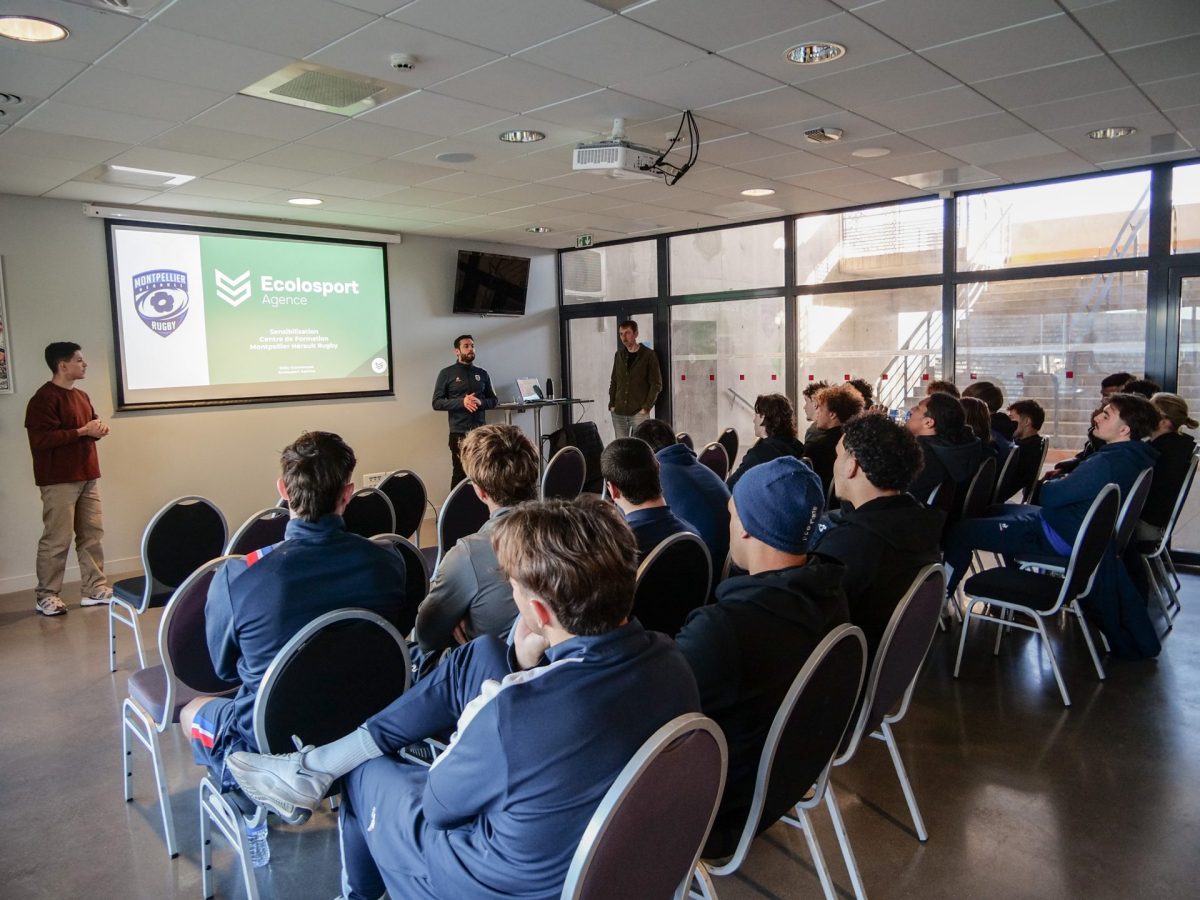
<point>617,159</point>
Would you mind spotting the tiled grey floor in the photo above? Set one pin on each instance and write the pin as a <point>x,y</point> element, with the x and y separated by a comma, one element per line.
<point>1021,797</point>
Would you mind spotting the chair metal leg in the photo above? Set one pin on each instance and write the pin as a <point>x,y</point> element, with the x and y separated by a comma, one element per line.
<point>1173,597</point>
<point>216,810</point>
<point>120,611</point>
<point>1087,636</point>
<point>135,722</point>
<point>962,638</point>
<point>885,731</point>
<point>1174,572</point>
<point>1000,628</point>
<point>701,883</point>
<point>839,828</point>
<point>1159,589</point>
<point>814,848</point>
<point>1062,687</point>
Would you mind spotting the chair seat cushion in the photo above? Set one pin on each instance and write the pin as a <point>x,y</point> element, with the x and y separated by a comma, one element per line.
<point>1060,562</point>
<point>148,689</point>
<point>1029,589</point>
<point>131,590</point>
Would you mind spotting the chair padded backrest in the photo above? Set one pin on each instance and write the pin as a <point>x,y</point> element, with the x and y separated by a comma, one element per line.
<point>901,651</point>
<point>1188,481</point>
<point>1131,509</point>
<point>182,640</point>
<point>1094,535</point>
<point>462,514</point>
<point>942,497</point>
<point>338,671</point>
<point>407,492</point>
<point>686,439</point>
<point>808,728</point>
<point>564,474</point>
<point>1035,473</point>
<point>182,536</point>
<point>369,512</point>
<point>1006,481</point>
<point>672,580</point>
<point>714,456</point>
<point>979,492</point>
<point>729,440</point>
<point>264,528</point>
<point>416,577</point>
<point>646,835</point>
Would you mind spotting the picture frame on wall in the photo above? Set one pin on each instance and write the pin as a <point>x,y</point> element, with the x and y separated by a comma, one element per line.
<point>6,372</point>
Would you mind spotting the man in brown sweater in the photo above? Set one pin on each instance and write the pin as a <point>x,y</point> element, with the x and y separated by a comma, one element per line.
<point>63,431</point>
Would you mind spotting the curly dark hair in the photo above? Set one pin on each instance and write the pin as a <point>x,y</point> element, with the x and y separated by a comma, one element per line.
<point>886,451</point>
<point>1143,387</point>
<point>987,392</point>
<point>1135,411</point>
<point>941,387</point>
<point>842,400</point>
<point>655,432</point>
<point>779,419</point>
<point>814,387</point>
<point>860,385</point>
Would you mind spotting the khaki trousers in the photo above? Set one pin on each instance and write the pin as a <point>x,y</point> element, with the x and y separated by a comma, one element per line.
<point>72,508</point>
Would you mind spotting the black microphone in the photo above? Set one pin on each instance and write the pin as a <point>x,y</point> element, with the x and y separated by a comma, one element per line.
<point>549,387</point>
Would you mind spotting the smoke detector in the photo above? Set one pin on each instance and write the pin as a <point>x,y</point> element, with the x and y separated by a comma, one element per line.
<point>824,135</point>
<point>405,61</point>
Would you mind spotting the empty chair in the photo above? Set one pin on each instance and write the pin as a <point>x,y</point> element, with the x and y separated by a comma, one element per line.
<point>729,440</point>
<point>463,513</point>
<point>564,474</point>
<point>158,693</point>
<point>673,579</point>
<point>686,439</point>
<point>647,833</point>
<point>370,512</point>
<point>334,674</point>
<point>893,675</point>
<point>416,577</point>
<point>182,536</point>
<point>409,499</point>
<point>1040,596</point>
<point>264,528</point>
<point>714,456</point>
<point>793,771</point>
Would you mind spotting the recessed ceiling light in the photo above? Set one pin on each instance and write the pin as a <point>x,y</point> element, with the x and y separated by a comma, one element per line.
<point>1112,133</point>
<point>31,29</point>
<point>757,192</point>
<point>814,53</point>
<point>305,201</point>
<point>522,136</point>
<point>455,156</point>
<point>870,152</point>
<point>150,178</point>
<point>538,229</point>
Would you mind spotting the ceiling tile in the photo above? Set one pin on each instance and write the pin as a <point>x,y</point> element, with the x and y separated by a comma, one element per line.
<point>505,26</point>
<point>1185,117</point>
<point>1132,23</point>
<point>264,118</point>
<point>968,131</point>
<point>341,186</point>
<point>222,190</point>
<point>903,76</point>
<point>890,167</point>
<point>697,83</point>
<point>433,114</point>
<point>470,183</point>
<point>417,197</point>
<point>934,108</point>
<point>1058,82</point>
<point>66,118</point>
<point>307,25</point>
<point>798,162</point>
<point>357,136</point>
<point>98,193</point>
<point>92,32</point>
<point>396,171</point>
<point>33,76</point>
<point>779,106</point>
<point>855,128</point>
<point>1078,110</point>
<point>213,142</point>
<point>1011,50</point>
<point>33,175</point>
<point>595,112</point>
<point>659,133</point>
<point>584,203</point>
<point>1036,168</point>
<point>741,148</point>
<point>716,24</point>
<point>265,176</point>
<point>369,51</point>
<point>514,85</point>
<point>927,23</point>
<point>534,193</point>
<point>1152,129</point>
<point>482,205</point>
<point>137,95</point>
<point>833,179</point>
<point>612,50</point>
<point>842,153</point>
<point>886,191</point>
<point>30,142</point>
<point>1174,92</point>
<point>312,159</point>
<point>1004,150</point>
<point>1154,62</point>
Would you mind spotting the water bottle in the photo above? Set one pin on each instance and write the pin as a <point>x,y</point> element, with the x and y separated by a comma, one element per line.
<point>256,839</point>
<point>549,387</point>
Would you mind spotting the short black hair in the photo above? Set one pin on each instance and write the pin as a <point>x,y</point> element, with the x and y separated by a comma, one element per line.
<point>1135,411</point>
<point>779,419</point>
<point>987,392</point>
<point>1031,409</point>
<point>860,385</point>
<point>655,432</point>
<point>1142,386</point>
<point>942,387</point>
<point>629,464</point>
<point>60,351</point>
<point>1116,379</point>
<point>949,417</point>
<point>628,323</point>
<point>316,468</point>
<point>462,337</point>
<point>887,452</point>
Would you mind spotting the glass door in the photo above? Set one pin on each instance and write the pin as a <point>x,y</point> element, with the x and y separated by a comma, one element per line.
<point>593,341</point>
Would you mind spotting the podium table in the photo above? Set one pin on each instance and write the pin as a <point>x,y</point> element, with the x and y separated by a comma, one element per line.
<point>536,407</point>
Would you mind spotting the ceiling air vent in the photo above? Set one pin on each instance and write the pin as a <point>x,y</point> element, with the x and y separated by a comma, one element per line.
<point>326,89</point>
<point>824,135</point>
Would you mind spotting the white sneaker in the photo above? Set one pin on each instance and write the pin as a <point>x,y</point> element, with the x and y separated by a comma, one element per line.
<point>282,783</point>
<point>50,606</point>
<point>100,597</point>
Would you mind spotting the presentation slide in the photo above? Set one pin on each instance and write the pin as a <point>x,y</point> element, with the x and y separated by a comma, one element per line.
<point>207,317</point>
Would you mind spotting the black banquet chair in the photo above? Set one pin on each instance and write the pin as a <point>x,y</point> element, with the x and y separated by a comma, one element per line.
<point>334,674</point>
<point>686,439</point>
<point>729,440</point>
<point>647,833</point>
<point>180,538</point>
<point>416,577</point>
<point>264,528</point>
<point>462,514</point>
<point>409,499</point>
<point>1156,554</point>
<point>369,512</point>
<point>673,579</point>
<point>714,456</point>
<point>564,475</point>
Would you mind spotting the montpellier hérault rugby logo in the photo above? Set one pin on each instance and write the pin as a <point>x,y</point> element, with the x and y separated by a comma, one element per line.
<point>233,290</point>
<point>160,297</point>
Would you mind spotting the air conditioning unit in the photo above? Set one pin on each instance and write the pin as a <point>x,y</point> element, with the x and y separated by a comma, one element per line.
<point>583,274</point>
<point>616,159</point>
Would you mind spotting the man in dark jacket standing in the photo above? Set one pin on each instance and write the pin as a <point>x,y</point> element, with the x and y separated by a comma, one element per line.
<point>881,534</point>
<point>464,391</point>
<point>747,648</point>
<point>635,382</point>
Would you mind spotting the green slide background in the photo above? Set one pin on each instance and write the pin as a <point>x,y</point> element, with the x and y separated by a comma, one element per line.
<point>355,322</point>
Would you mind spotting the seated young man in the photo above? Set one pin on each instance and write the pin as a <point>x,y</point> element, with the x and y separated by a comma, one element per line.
<point>542,729</point>
<point>468,596</point>
<point>257,604</point>
<point>835,406</point>
<point>1109,385</point>
<point>1027,417</point>
<point>882,535</point>
<point>951,450</point>
<point>810,407</point>
<point>631,471</point>
<point>747,648</point>
<point>775,428</point>
<point>694,491</point>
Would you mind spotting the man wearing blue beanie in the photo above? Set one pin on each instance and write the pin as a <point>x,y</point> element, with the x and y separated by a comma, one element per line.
<point>747,648</point>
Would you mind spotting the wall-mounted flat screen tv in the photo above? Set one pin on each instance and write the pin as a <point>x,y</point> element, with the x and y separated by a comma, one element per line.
<point>489,284</point>
<point>205,317</point>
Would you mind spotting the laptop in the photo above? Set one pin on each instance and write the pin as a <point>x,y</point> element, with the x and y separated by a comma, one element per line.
<point>529,390</point>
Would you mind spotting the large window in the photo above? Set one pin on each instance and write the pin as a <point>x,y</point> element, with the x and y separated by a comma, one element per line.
<point>723,355</point>
<point>741,258</point>
<point>1074,221</point>
<point>1187,529</point>
<point>619,272</point>
<point>904,239</point>
<point>1185,209</point>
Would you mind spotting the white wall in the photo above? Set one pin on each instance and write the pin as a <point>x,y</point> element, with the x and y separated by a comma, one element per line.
<point>56,283</point>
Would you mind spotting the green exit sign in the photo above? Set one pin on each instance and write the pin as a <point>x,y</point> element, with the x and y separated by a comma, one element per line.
<point>583,240</point>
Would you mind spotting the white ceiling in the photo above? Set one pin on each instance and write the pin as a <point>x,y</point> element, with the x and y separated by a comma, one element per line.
<point>1007,86</point>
